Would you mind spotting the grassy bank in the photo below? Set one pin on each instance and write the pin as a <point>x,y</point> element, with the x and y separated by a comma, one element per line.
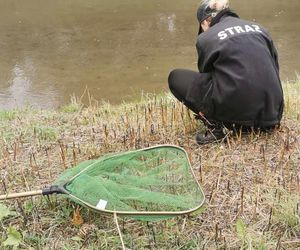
<point>252,183</point>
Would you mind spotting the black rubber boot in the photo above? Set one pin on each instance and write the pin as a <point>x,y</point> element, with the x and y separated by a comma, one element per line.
<point>214,135</point>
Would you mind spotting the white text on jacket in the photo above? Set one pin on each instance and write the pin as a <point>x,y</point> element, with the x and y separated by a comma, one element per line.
<point>237,30</point>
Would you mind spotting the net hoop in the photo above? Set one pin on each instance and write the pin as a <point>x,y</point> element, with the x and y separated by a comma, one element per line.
<point>142,213</point>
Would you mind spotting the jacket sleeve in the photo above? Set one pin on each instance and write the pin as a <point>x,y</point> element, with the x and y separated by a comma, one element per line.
<point>272,48</point>
<point>275,55</point>
<point>208,53</point>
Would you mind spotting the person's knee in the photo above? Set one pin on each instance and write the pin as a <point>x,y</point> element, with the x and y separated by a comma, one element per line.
<point>172,79</point>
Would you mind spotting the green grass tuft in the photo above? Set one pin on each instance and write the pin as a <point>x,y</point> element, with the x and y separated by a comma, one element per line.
<point>73,107</point>
<point>8,115</point>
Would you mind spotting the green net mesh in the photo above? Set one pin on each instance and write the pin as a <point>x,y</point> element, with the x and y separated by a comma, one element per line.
<point>157,179</point>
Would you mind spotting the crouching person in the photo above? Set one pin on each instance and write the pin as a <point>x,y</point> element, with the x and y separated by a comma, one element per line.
<point>238,84</point>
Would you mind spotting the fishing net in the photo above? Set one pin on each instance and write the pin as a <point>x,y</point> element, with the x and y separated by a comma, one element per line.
<point>154,181</point>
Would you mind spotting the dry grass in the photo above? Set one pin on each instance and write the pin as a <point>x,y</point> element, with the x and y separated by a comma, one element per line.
<point>252,183</point>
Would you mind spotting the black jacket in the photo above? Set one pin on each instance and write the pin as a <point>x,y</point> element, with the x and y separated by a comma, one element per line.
<point>243,66</point>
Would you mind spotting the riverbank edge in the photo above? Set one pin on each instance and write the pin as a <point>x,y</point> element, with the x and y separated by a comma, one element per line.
<point>250,183</point>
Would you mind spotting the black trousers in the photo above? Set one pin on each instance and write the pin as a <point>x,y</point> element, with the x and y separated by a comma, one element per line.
<point>189,87</point>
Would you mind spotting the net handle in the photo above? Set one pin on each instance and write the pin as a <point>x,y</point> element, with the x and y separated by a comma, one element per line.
<point>55,189</point>
<point>20,195</point>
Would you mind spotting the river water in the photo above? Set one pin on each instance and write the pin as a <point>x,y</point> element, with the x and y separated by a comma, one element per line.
<point>116,49</point>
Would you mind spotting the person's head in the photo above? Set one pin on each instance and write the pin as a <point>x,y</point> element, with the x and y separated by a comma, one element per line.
<point>208,10</point>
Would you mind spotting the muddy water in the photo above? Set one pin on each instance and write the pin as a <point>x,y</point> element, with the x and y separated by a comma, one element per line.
<point>50,50</point>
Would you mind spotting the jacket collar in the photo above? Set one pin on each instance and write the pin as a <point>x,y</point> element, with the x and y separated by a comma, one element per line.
<point>222,14</point>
